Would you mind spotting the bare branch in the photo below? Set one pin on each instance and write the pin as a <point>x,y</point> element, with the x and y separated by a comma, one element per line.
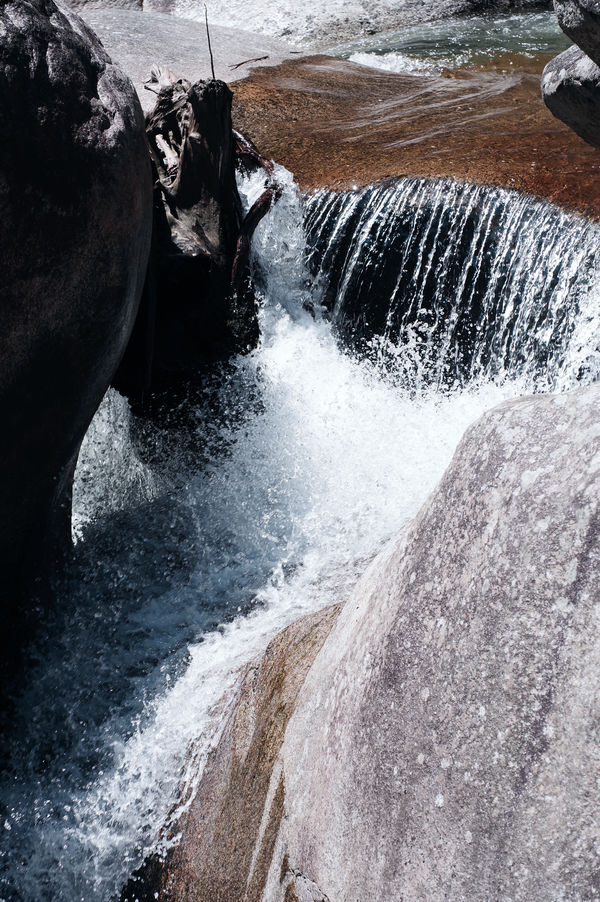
<point>255,59</point>
<point>212,62</point>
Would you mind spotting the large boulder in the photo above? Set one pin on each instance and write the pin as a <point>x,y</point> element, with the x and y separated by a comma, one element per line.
<point>571,82</point>
<point>571,90</point>
<point>580,20</point>
<point>75,225</point>
<point>444,744</point>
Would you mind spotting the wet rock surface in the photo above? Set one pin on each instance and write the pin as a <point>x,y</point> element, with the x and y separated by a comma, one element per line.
<point>75,221</point>
<point>336,124</point>
<point>444,742</point>
<point>235,806</point>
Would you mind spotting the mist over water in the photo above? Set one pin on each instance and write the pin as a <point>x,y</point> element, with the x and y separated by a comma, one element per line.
<point>182,572</point>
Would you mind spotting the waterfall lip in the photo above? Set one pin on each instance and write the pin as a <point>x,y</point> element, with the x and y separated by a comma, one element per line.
<point>448,282</point>
<point>392,181</point>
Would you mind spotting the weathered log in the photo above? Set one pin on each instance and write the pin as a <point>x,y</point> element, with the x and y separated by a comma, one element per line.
<point>199,304</point>
<point>250,157</point>
<point>254,59</point>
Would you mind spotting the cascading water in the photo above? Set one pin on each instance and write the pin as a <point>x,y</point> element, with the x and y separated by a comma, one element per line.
<point>458,282</point>
<point>319,456</point>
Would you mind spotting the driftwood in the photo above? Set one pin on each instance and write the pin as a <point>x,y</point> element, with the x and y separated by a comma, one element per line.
<point>255,59</point>
<point>200,304</point>
<point>160,77</point>
<point>212,61</point>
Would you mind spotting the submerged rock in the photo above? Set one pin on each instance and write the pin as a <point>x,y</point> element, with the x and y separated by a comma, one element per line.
<point>75,222</point>
<point>444,743</point>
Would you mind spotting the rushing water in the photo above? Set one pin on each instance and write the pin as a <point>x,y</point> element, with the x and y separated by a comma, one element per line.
<point>311,457</point>
<point>456,43</point>
<point>443,279</point>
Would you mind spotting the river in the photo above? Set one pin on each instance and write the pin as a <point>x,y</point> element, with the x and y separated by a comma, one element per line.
<point>392,317</point>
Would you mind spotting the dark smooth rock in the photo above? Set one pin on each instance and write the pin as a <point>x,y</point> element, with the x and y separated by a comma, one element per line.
<point>571,91</point>
<point>75,224</point>
<point>580,20</point>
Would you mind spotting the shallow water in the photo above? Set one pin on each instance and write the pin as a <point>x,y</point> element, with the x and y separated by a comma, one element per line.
<point>480,41</point>
<point>184,569</point>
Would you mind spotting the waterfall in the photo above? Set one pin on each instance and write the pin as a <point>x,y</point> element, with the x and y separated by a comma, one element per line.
<point>317,450</point>
<point>451,282</point>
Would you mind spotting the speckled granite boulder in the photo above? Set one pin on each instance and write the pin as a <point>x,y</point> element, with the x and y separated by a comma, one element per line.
<point>75,222</point>
<point>444,744</point>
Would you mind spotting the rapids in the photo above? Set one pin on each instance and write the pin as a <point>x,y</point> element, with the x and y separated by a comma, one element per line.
<point>480,41</point>
<point>315,450</point>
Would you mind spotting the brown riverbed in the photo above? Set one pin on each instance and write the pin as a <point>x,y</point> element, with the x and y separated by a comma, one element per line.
<point>334,123</point>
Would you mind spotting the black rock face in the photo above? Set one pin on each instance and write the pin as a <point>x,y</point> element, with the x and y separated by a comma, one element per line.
<point>75,225</point>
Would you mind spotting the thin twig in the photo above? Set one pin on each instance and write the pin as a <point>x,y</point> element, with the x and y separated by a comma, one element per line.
<point>212,63</point>
<point>255,59</point>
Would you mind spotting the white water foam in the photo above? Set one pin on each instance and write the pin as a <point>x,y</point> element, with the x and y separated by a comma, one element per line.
<point>318,24</point>
<point>107,449</point>
<point>400,63</point>
<point>355,459</point>
<point>452,43</point>
<point>331,462</point>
